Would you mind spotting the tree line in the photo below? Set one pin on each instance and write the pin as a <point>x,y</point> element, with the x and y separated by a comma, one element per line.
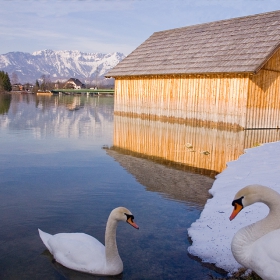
<point>44,83</point>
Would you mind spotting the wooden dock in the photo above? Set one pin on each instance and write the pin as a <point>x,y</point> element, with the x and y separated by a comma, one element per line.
<point>83,91</point>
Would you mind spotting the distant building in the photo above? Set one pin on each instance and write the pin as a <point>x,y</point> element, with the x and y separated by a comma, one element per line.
<point>17,87</point>
<point>20,87</point>
<point>74,83</point>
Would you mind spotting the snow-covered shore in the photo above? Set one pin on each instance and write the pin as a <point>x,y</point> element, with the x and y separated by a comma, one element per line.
<point>213,231</point>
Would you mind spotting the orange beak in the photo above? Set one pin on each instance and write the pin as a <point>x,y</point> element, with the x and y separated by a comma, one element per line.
<point>236,210</point>
<point>130,221</point>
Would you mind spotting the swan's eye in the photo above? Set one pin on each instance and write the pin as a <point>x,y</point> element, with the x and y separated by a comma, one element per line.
<point>238,201</point>
<point>129,216</point>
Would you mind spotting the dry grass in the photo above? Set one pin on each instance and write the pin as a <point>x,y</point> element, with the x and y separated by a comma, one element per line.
<point>240,275</point>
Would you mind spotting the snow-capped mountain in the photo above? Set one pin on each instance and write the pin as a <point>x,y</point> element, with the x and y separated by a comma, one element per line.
<point>58,65</point>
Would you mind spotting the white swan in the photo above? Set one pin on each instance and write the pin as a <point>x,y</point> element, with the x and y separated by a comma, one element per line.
<point>84,253</point>
<point>257,246</point>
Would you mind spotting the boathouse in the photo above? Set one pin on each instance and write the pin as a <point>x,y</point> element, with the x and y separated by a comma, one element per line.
<point>218,74</point>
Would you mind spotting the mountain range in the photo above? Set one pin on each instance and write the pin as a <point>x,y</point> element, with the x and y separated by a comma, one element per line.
<point>89,68</point>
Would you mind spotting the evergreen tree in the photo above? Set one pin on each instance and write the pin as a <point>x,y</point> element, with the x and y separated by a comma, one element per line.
<point>5,83</point>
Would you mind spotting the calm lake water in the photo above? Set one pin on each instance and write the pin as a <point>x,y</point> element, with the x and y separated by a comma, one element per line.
<point>57,174</point>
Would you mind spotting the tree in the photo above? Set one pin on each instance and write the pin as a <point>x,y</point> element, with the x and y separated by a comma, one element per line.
<point>96,76</point>
<point>14,78</point>
<point>46,82</point>
<point>5,84</point>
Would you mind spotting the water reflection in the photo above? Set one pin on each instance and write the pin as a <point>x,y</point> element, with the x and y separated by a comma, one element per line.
<point>59,115</point>
<point>5,101</point>
<point>200,149</point>
<point>175,184</point>
<point>55,175</point>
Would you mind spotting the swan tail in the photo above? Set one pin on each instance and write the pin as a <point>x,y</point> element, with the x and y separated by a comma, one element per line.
<point>45,238</point>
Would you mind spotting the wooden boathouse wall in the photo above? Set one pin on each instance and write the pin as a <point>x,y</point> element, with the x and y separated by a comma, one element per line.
<point>263,109</point>
<point>211,100</point>
<point>242,101</point>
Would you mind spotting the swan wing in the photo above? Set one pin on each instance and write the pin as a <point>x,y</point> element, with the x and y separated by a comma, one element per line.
<point>265,260</point>
<point>78,251</point>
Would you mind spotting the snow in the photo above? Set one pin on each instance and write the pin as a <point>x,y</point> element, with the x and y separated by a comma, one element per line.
<point>60,64</point>
<point>213,231</point>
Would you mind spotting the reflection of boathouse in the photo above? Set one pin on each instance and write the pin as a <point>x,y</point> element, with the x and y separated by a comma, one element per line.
<point>172,183</point>
<point>214,74</point>
<point>199,149</point>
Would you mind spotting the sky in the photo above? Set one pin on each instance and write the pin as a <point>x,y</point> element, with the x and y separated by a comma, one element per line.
<point>213,231</point>
<point>108,25</point>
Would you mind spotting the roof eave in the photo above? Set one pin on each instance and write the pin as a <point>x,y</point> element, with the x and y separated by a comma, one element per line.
<point>180,74</point>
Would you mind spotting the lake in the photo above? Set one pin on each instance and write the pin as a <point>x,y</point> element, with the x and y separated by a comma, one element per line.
<point>67,161</point>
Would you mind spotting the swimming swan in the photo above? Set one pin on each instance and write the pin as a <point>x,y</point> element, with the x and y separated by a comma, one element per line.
<point>257,246</point>
<point>84,253</point>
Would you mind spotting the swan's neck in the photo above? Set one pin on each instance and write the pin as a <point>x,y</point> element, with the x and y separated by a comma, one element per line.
<point>111,249</point>
<point>246,236</point>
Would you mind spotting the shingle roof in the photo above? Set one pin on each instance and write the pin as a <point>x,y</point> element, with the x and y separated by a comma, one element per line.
<point>236,45</point>
<point>76,81</point>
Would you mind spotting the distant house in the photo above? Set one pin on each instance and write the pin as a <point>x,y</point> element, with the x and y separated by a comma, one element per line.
<point>74,83</point>
<point>17,87</point>
<point>20,87</point>
<point>223,73</point>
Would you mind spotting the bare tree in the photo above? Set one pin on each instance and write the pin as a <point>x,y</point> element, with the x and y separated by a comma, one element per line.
<point>96,76</point>
<point>46,82</point>
<point>14,78</point>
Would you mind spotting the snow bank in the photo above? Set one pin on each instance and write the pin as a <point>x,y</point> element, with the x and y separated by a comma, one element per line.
<point>212,232</point>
